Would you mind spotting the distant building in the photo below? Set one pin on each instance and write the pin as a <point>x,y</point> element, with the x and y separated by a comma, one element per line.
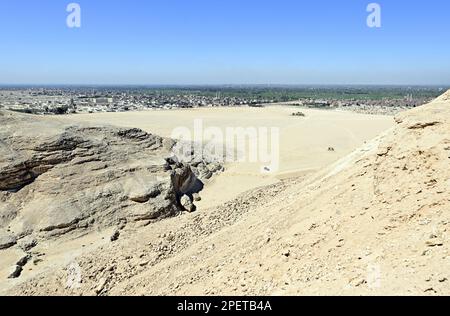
<point>102,100</point>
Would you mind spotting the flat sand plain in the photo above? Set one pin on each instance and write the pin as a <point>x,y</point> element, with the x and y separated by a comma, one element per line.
<point>304,141</point>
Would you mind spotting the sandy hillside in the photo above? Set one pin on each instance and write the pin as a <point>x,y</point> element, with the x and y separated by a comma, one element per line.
<point>375,222</point>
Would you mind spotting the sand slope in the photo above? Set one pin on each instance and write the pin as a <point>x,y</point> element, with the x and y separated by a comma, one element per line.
<point>376,222</point>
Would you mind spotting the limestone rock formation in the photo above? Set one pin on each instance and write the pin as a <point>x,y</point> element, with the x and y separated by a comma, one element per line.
<point>6,240</point>
<point>56,177</point>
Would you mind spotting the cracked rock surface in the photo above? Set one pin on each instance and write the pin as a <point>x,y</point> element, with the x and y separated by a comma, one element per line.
<point>56,178</point>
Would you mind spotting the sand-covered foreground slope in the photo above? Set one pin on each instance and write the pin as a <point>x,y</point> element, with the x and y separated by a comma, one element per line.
<point>376,222</point>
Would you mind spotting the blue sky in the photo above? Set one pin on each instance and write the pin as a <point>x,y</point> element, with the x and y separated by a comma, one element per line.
<point>224,42</point>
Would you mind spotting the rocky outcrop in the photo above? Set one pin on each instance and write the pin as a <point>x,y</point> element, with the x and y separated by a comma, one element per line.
<point>57,177</point>
<point>6,240</point>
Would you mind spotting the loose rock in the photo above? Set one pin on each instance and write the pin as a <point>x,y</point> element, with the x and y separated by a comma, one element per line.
<point>15,272</point>
<point>187,204</point>
<point>115,236</point>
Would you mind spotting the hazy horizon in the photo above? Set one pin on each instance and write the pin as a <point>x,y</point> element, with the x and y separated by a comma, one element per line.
<point>224,85</point>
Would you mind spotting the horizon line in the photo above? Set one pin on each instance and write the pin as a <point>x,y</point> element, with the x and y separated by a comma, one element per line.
<point>222,85</point>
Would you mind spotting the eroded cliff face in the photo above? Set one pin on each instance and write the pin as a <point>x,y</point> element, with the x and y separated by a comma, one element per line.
<point>56,178</point>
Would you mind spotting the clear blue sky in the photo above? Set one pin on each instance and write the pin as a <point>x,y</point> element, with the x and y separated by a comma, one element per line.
<point>225,42</point>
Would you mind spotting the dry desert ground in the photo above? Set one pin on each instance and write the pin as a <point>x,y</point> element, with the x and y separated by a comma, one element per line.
<point>89,206</point>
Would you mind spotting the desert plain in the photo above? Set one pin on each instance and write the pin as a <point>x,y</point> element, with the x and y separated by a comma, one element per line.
<point>303,141</point>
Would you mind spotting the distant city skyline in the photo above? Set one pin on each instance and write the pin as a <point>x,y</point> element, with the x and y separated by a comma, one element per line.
<point>199,42</point>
